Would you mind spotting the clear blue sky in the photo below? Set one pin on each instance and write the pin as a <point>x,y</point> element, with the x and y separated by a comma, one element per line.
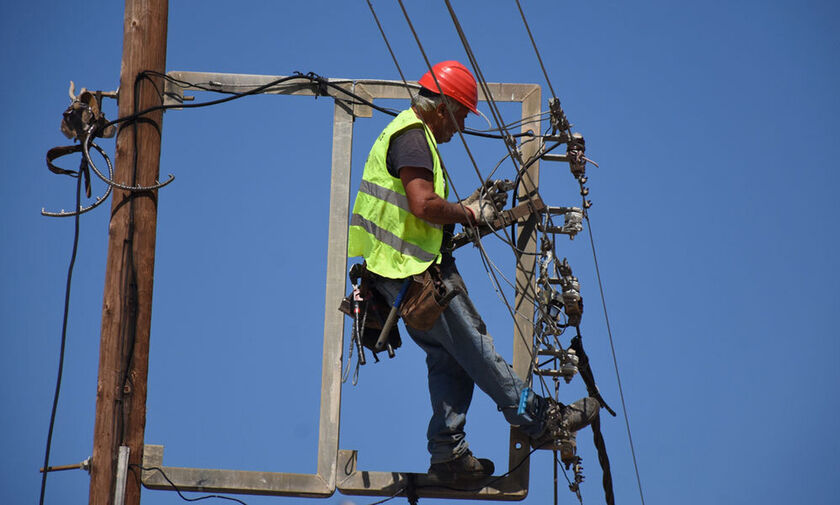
<point>714,124</point>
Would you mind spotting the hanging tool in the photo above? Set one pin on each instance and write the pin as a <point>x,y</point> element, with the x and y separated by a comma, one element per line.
<point>368,310</point>
<point>382,342</point>
<point>355,274</point>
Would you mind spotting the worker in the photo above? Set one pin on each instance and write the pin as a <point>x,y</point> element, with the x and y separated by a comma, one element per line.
<point>399,220</point>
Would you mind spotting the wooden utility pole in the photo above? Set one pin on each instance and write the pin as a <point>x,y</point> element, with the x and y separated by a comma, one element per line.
<point>129,274</point>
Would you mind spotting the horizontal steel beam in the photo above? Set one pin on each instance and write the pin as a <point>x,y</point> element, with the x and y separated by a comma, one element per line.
<point>375,88</point>
<point>206,480</point>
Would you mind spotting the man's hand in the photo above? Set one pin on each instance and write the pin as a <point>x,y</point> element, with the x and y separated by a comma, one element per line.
<point>480,207</point>
<point>486,201</point>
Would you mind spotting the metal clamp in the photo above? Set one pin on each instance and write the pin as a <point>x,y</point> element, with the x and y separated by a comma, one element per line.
<point>572,221</point>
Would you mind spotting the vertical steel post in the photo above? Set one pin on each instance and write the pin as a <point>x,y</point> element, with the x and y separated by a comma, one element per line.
<point>525,283</point>
<point>328,431</point>
<point>127,306</point>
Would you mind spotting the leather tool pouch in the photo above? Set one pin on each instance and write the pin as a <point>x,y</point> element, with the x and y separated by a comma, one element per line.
<point>375,309</point>
<point>426,299</point>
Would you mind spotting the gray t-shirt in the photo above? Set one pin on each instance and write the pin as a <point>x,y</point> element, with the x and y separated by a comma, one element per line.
<point>409,149</point>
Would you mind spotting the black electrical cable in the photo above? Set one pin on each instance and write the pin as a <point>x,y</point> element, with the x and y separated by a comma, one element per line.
<point>486,135</point>
<point>133,119</point>
<point>63,328</point>
<point>234,96</point>
<point>130,278</point>
<point>198,498</point>
<point>312,77</point>
<point>401,491</point>
<point>528,164</point>
<point>390,112</point>
<point>534,118</point>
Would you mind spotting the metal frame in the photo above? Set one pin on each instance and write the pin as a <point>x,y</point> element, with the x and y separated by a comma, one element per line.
<point>353,481</point>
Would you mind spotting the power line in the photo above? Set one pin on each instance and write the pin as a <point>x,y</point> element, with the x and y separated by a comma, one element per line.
<point>615,360</point>
<point>537,51</point>
<point>523,171</point>
<point>63,329</point>
<point>393,56</point>
<point>514,154</point>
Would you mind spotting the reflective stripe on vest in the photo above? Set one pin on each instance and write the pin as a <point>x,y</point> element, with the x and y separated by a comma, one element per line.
<point>391,239</point>
<point>391,197</point>
<point>394,242</point>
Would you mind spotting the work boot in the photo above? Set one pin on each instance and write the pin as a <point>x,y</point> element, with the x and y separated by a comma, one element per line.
<point>463,467</point>
<point>561,422</point>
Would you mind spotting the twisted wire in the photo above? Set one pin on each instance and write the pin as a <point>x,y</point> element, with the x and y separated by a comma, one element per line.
<point>99,200</point>
<point>113,184</point>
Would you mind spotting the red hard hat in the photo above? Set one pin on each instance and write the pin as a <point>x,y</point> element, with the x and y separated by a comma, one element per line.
<point>457,82</point>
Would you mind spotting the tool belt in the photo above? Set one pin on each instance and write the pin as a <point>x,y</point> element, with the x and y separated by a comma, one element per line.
<point>375,309</point>
<point>426,299</point>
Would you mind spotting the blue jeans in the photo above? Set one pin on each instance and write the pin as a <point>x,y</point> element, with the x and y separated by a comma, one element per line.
<point>459,355</point>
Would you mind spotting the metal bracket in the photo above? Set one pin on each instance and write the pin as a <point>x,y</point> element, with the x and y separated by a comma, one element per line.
<point>122,473</point>
<point>572,221</point>
<point>360,109</point>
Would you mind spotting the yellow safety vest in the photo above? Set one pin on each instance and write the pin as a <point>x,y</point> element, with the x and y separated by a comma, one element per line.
<point>394,242</point>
